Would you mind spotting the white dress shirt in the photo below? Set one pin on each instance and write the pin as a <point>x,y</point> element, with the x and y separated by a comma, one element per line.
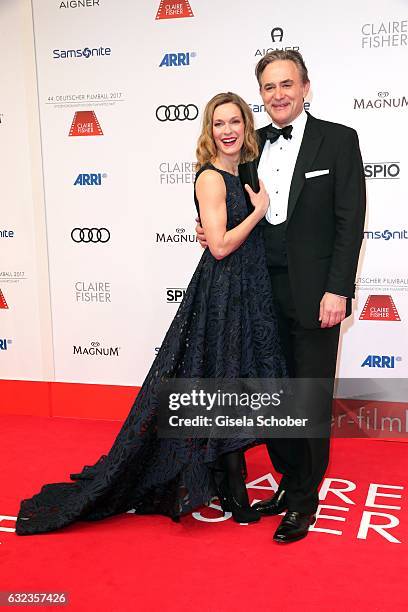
<point>276,168</point>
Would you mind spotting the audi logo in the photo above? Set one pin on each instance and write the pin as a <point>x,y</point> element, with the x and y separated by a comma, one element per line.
<point>182,112</point>
<point>90,234</point>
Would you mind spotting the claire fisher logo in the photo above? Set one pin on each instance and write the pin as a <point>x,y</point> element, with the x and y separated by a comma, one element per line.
<point>277,35</point>
<point>379,308</point>
<point>73,4</point>
<point>176,173</point>
<point>174,10</point>
<point>384,34</point>
<point>382,101</point>
<point>86,52</point>
<point>85,123</point>
<point>3,303</point>
<point>93,291</point>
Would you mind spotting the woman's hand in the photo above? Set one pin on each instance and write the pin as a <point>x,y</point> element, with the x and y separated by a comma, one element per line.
<point>260,200</point>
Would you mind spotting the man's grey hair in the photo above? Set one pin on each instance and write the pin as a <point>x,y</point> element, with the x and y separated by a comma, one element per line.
<point>280,54</point>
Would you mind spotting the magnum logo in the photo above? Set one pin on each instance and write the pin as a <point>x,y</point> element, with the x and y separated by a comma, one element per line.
<point>379,308</point>
<point>3,303</point>
<point>174,10</point>
<point>85,123</point>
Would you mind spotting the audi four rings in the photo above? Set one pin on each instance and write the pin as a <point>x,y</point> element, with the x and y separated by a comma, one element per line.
<point>90,234</point>
<point>182,112</point>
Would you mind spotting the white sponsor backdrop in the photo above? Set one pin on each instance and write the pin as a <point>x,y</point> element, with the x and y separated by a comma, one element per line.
<point>25,322</point>
<point>121,62</point>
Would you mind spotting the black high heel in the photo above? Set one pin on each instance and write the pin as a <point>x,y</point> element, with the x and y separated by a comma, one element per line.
<point>221,486</point>
<point>243,514</point>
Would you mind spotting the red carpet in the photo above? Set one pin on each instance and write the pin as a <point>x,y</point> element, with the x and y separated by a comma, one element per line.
<point>151,564</point>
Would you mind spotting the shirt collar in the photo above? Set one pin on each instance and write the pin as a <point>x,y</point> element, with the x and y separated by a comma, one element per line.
<point>298,124</point>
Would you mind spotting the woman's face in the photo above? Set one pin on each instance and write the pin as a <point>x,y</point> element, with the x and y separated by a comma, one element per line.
<point>228,128</point>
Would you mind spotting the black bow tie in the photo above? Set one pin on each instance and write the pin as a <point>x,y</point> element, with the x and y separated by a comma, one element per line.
<point>273,133</point>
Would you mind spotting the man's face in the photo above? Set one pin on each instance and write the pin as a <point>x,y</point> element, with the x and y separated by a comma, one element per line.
<point>283,91</point>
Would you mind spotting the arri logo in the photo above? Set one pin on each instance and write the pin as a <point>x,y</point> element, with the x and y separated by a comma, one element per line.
<point>382,170</point>
<point>85,123</point>
<point>380,361</point>
<point>90,178</point>
<point>379,308</point>
<point>177,59</point>
<point>5,344</point>
<point>3,303</point>
<point>84,53</point>
<point>174,10</point>
<point>174,295</point>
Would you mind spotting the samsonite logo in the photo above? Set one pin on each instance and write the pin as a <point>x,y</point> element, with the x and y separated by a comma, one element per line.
<point>177,59</point>
<point>380,361</point>
<point>86,53</point>
<point>90,178</point>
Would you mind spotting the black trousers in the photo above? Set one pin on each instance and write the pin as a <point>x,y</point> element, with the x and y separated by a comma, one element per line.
<point>310,353</point>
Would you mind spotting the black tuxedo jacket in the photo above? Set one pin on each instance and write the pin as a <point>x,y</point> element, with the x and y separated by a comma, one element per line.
<point>325,219</point>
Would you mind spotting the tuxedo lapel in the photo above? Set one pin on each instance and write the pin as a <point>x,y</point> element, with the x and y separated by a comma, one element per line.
<point>311,141</point>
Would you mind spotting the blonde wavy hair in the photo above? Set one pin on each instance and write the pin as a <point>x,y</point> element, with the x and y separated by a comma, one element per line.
<point>206,150</point>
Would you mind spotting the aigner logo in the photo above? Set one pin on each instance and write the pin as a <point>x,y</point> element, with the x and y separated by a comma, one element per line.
<point>182,112</point>
<point>277,34</point>
<point>174,10</point>
<point>382,170</point>
<point>79,4</point>
<point>90,234</point>
<point>90,178</point>
<point>177,59</point>
<point>380,361</point>
<point>85,123</point>
<point>276,37</point>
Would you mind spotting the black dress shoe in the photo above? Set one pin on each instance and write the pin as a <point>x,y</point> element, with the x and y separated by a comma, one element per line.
<point>294,526</point>
<point>272,506</point>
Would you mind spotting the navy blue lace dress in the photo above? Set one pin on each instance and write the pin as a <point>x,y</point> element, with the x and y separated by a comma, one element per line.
<point>225,327</point>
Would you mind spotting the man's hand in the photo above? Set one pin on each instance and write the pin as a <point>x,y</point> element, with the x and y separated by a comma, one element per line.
<point>332,309</point>
<point>200,234</point>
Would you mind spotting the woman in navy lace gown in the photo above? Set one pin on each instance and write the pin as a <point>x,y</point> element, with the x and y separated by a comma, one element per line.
<point>225,328</point>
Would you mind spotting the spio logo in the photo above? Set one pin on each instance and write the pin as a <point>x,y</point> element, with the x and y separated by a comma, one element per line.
<point>90,234</point>
<point>90,179</point>
<point>174,295</point>
<point>177,59</point>
<point>277,34</point>
<point>379,308</point>
<point>86,52</point>
<point>5,344</point>
<point>182,112</point>
<point>174,10</point>
<point>85,123</point>
<point>382,170</point>
<point>3,303</point>
<point>380,361</point>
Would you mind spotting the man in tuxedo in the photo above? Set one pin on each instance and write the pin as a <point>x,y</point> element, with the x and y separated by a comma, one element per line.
<point>313,230</point>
